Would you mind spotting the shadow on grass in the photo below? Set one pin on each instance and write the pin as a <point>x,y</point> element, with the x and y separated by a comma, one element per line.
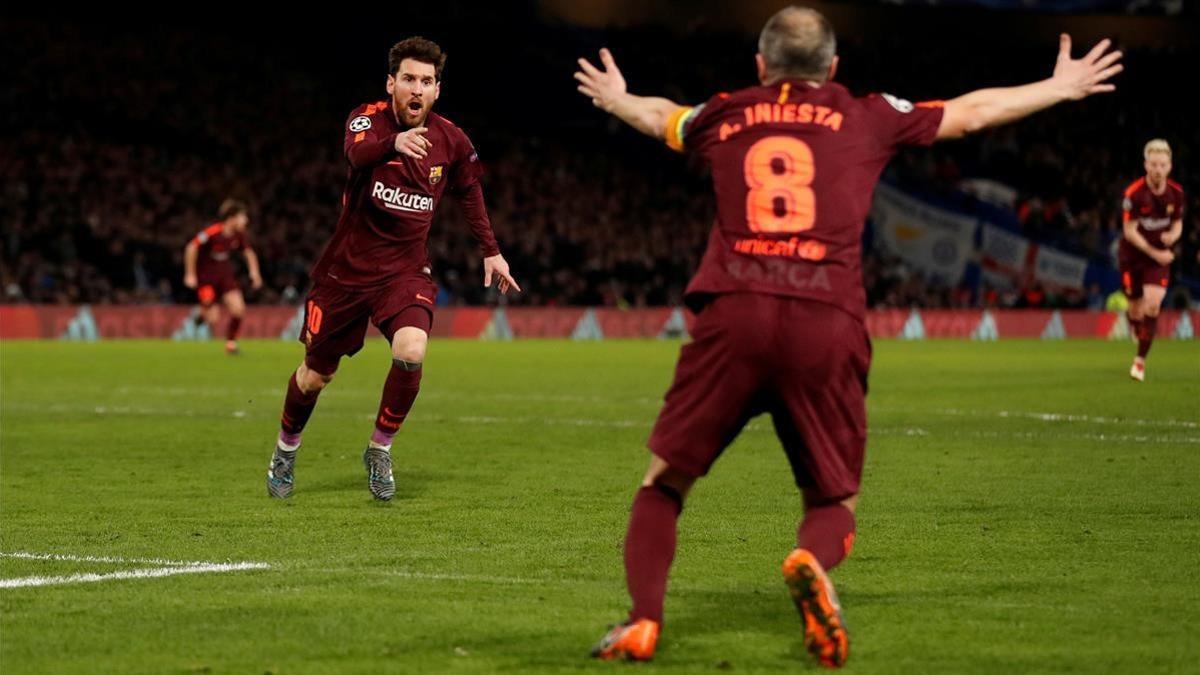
<point>409,484</point>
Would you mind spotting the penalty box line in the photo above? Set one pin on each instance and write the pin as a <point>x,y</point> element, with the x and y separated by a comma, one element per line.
<point>165,568</point>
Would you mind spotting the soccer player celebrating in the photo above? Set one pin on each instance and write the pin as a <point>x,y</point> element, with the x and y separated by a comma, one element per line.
<point>1153,221</point>
<point>779,292</point>
<point>402,159</point>
<point>208,270</point>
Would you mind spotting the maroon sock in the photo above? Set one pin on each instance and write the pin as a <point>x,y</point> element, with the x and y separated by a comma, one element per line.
<point>235,327</point>
<point>1146,335</point>
<point>649,549</point>
<point>1135,325</point>
<point>827,532</point>
<point>297,408</point>
<point>399,391</point>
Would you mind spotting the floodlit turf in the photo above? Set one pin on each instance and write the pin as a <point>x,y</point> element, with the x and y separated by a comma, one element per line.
<point>992,537</point>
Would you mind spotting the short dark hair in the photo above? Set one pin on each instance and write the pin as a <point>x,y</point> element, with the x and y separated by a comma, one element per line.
<point>417,49</point>
<point>797,42</point>
<point>232,207</point>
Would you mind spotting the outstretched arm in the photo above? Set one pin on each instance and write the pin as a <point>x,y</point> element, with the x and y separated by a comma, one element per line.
<point>606,88</point>
<point>1073,79</point>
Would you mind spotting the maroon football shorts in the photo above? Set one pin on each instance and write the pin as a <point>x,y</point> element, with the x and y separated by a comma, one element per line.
<point>336,316</point>
<point>1138,273</point>
<point>211,289</point>
<point>803,362</point>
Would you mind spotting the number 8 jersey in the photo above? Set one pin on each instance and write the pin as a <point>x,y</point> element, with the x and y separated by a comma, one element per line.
<point>794,167</point>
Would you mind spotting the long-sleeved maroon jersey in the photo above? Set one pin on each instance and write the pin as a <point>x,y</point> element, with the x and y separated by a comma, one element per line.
<point>390,199</point>
<point>794,167</point>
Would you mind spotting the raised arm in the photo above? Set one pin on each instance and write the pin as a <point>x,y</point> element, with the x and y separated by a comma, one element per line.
<point>606,88</point>
<point>1073,79</point>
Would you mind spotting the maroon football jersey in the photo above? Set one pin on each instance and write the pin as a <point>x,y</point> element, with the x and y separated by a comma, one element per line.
<point>1154,215</point>
<point>389,200</point>
<point>212,258</point>
<point>793,168</point>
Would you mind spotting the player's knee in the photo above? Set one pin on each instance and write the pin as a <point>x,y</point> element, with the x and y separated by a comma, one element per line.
<point>409,349</point>
<point>670,481</point>
<point>412,355</point>
<point>310,380</point>
<point>315,382</point>
<point>1151,310</point>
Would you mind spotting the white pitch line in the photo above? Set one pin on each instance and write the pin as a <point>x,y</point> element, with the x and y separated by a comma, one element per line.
<point>1036,435</point>
<point>1052,417</point>
<point>150,573</point>
<point>898,431</point>
<point>473,578</point>
<point>98,559</point>
<point>165,568</point>
<point>1107,438</point>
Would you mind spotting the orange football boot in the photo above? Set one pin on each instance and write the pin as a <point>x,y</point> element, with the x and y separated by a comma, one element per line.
<point>825,634</point>
<point>633,641</point>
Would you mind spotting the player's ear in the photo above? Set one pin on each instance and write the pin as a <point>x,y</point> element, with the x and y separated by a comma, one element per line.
<point>833,64</point>
<point>391,85</point>
<point>761,66</point>
<point>437,89</point>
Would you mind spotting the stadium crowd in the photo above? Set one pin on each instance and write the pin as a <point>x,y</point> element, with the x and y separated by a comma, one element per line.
<point>111,163</point>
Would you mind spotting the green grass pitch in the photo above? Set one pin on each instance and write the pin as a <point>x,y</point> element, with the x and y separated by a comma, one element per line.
<point>1025,507</point>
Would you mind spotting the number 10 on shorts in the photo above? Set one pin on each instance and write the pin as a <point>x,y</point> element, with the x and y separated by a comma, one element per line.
<point>314,318</point>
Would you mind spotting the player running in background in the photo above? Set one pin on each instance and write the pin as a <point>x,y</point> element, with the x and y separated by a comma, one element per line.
<point>1153,221</point>
<point>779,292</point>
<point>402,160</point>
<point>208,270</point>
